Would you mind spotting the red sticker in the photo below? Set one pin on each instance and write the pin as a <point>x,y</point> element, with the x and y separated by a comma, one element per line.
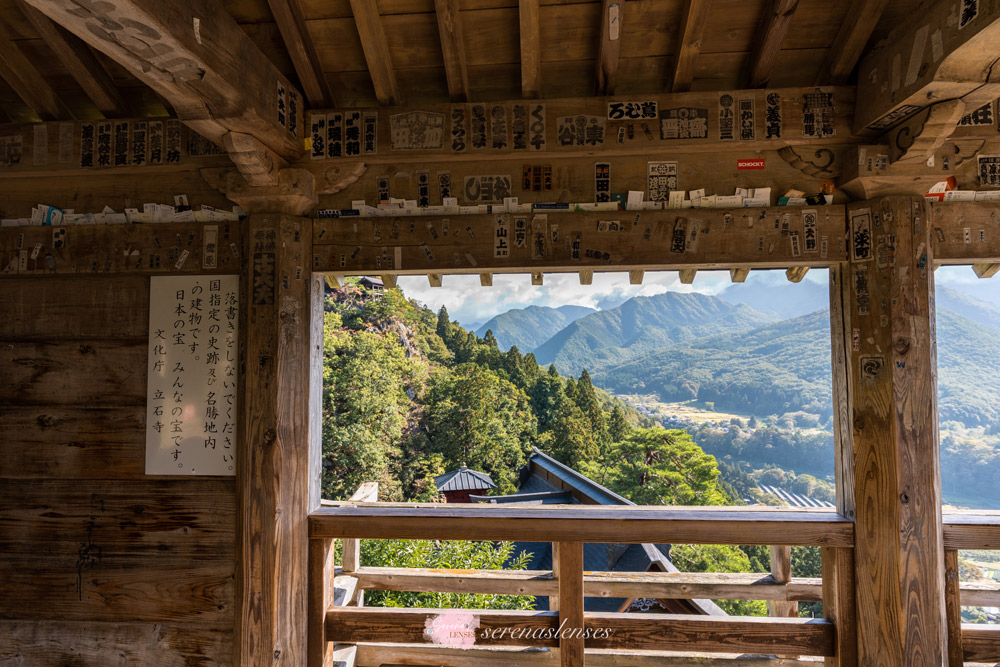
<point>755,163</point>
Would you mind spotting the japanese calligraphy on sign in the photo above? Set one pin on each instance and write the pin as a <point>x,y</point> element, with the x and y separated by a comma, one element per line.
<point>817,115</point>
<point>501,236</point>
<point>192,367</point>
<point>989,169</point>
<point>631,110</point>
<point>487,188</point>
<point>861,235</point>
<point>580,130</point>
<point>662,178</point>
<point>981,116</point>
<point>684,123</point>
<point>416,130</point>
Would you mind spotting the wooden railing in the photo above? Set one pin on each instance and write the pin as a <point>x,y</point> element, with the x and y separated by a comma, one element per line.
<point>373,636</point>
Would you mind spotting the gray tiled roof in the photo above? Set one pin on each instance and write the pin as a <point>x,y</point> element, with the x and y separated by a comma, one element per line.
<point>464,479</point>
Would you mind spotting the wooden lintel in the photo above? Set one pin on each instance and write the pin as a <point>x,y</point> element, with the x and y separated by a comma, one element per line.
<point>486,279</point>
<point>27,82</point>
<point>648,246</point>
<point>693,18</point>
<point>948,54</point>
<point>739,274</point>
<point>531,48</point>
<point>687,276</point>
<point>537,277</point>
<point>986,270</point>
<point>198,59</point>
<point>774,25</point>
<point>434,279</point>
<point>795,274</point>
<point>81,63</point>
<point>602,140</point>
<point>586,277</point>
<point>609,45</point>
<point>635,276</point>
<point>450,33</point>
<point>855,31</point>
<point>299,44</point>
<point>376,48</point>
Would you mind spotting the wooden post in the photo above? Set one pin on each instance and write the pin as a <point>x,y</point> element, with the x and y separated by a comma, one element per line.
<point>554,599</point>
<point>320,584</point>
<point>841,342</point>
<point>273,472</point>
<point>838,604</point>
<point>953,605</point>
<point>571,604</point>
<point>781,570</point>
<point>899,554</point>
<point>351,558</point>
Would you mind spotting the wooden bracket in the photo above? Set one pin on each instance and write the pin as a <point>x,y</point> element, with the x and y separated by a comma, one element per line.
<point>258,164</point>
<point>919,136</point>
<point>819,169</point>
<point>293,194</point>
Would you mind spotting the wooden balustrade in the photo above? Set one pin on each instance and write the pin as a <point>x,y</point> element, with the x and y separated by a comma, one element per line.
<point>371,636</point>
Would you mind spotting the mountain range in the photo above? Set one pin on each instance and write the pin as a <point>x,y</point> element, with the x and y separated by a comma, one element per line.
<point>530,327</point>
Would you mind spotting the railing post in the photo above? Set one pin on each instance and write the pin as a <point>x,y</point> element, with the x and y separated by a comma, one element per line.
<point>554,599</point>
<point>320,584</point>
<point>839,604</point>
<point>351,558</point>
<point>953,607</point>
<point>781,571</point>
<point>571,639</point>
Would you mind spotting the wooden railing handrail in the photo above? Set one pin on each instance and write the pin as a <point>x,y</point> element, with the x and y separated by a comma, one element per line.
<point>567,523</point>
<point>971,530</point>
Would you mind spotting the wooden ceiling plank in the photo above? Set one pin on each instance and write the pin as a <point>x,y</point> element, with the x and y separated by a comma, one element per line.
<point>25,80</point>
<point>299,44</point>
<point>81,63</point>
<point>531,49</point>
<point>376,48</point>
<point>774,26</point>
<point>453,49</point>
<point>197,58</point>
<point>850,42</point>
<point>695,15</point>
<point>612,12</point>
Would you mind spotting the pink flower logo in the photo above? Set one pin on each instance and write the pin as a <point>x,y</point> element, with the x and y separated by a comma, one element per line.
<point>452,628</point>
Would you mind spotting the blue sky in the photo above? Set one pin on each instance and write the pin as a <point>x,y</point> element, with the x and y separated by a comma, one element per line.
<point>470,303</point>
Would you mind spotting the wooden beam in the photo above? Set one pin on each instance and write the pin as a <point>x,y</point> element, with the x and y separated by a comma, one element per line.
<point>774,25</point>
<point>855,31</point>
<point>798,636</point>
<point>781,572</point>
<point>376,47</point>
<point>966,232</point>
<point>486,280</point>
<point>981,642</point>
<point>572,523</point>
<point>743,245</point>
<point>694,15</point>
<point>795,274</point>
<point>80,62</point>
<point>333,281</point>
<point>531,49</point>
<point>839,604</point>
<point>537,277</point>
<point>971,531</point>
<point>609,44</point>
<point>635,277</point>
<point>739,274</point>
<point>299,44</point>
<point>273,549</point>
<point>449,23</point>
<point>757,246</point>
<point>198,59</point>
<point>571,603</point>
<point>947,54</point>
<point>953,606</point>
<point>899,552</point>
<point>687,276</point>
<point>389,280</point>
<point>841,343</point>
<point>674,585</point>
<point>27,82</point>
<point>986,270</point>
<point>586,277</point>
<point>434,279</point>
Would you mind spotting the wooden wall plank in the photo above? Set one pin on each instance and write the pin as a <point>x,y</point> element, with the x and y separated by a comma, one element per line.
<point>75,307</point>
<point>132,644</point>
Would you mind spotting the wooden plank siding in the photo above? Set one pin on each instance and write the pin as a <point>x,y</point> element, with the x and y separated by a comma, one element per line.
<point>100,560</point>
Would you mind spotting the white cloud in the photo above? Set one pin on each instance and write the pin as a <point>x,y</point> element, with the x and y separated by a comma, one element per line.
<point>467,301</point>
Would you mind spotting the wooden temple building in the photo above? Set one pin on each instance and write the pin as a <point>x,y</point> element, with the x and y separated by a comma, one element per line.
<point>214,162</point>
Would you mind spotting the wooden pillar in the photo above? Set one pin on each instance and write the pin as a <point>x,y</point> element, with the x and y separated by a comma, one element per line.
<point>839,604</point>
<point>781,571</point>
<point>899,553</point>
<point>953,606</point>
<point>273,476</point>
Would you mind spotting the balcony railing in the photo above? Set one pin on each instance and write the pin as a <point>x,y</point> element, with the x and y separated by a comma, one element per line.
<point>342,629</point>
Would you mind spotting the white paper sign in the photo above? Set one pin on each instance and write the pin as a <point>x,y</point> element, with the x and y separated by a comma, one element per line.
<point>191,410</point>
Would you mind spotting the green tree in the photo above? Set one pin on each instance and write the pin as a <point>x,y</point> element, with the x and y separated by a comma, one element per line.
<point>478,418</point>
<point>718,558</point>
